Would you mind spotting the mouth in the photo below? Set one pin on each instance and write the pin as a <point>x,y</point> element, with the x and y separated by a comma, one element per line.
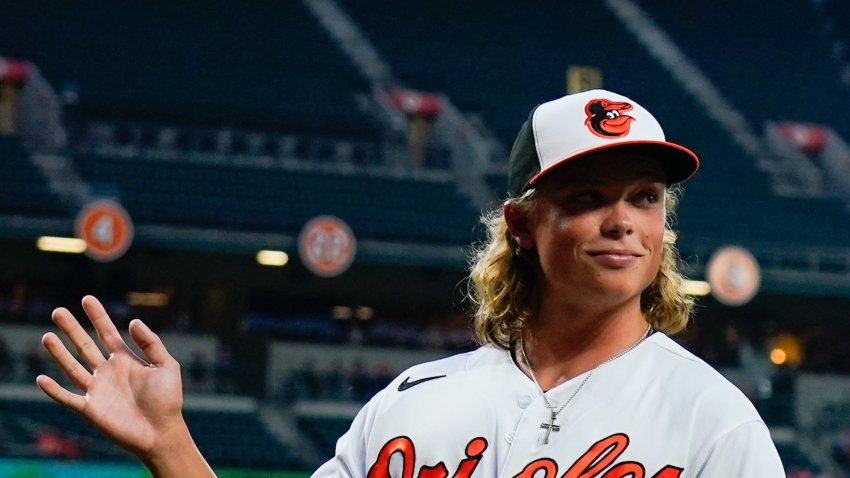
<point>615,258</point>
<point>614,252</point>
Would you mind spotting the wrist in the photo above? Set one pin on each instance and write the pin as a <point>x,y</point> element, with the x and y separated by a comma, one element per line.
<point>176,455</point>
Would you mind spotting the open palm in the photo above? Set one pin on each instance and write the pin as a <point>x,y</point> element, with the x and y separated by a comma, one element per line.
<point>134,401</point>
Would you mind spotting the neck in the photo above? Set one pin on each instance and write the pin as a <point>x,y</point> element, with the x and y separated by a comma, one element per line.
<point>564,342</point>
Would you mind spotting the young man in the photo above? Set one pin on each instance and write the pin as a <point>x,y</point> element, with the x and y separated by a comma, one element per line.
<point>575,291</point>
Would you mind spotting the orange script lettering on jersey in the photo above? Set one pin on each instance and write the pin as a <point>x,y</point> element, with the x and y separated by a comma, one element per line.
<point>381,469</point>
<point>591,464</point>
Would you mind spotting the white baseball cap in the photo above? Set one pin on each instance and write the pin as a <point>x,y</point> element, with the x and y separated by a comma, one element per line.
<point>575,125</point>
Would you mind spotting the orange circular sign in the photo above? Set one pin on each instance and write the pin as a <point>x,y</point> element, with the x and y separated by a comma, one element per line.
<point>327,246</point>
<point>107,229</point>
<point>734,275</point>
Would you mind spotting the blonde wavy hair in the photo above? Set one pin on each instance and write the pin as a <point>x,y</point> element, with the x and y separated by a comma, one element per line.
<point>505,295</point>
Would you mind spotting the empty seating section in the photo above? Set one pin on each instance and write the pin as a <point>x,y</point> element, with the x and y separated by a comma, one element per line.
<point>177,62</point>
<point>772,67</point>
<point>24,421</point>
<point>239,440</point>
<point>251,63</point>
<point>323,432</point>
<point>771,59</point>
<point>23,189</point>
<point>275,200</point>
<point>497,59</point>
<point>227,439</point>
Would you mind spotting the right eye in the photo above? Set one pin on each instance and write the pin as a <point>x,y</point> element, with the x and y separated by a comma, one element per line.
<point>585,197</point>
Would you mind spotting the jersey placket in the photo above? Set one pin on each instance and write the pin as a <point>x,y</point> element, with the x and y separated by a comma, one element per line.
<point>527,446</point>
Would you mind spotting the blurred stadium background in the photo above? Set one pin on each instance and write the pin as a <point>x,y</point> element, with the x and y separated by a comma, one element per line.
<point>222,128</point>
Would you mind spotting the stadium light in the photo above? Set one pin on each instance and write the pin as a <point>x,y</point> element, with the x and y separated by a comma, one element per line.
<point>786,349</point>
<point>147,299</point>
<point>778,356</point>
<point>272,258</point>
<point>68,245</point>
<point>364,313</point>
<point>696,287</point>
<point>341,312</point>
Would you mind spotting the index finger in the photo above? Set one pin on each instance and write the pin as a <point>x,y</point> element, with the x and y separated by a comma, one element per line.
<point>106,330</point>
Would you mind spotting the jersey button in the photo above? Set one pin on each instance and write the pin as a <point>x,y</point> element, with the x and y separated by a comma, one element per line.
<point>509,437</point>
<point>524,401</point>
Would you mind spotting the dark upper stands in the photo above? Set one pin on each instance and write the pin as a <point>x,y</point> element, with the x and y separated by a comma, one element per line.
<point>499,59</point>
<point>252,63</point>
<point>23,189</point>
<point>262,65</point>
<point>771,59</point>
<point>773,67</point>
<point>249,64</point>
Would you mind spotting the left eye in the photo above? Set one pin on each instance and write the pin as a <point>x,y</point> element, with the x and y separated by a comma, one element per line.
<point>648,196</point>
<point>612,114</point>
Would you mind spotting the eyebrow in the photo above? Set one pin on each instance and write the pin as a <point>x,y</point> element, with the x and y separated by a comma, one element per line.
<point>651,175</point>
<point>641,176</point>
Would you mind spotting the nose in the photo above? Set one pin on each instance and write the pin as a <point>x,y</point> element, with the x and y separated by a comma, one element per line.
<point>617,221</point>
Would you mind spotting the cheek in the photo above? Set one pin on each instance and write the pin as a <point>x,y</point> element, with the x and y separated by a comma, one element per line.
<point>555,238</point>
<point>653,241</point>
<point>560,250</point>
<point>653,226</point>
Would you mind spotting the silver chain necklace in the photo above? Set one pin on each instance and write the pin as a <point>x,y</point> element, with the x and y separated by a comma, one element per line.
<point>551,426</point>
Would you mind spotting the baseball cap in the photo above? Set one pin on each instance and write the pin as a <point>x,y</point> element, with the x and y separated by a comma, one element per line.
<point>573,126</point>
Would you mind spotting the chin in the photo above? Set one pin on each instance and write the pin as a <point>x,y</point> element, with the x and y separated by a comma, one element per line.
<point>620,292</point>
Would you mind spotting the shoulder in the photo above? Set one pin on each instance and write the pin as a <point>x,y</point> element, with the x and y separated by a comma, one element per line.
<point>679,399</point>
<point>457,374</point>
<point>440,383</point>
<point>691,372</point>
<point>709,396</point>
<point>460,366</point>
<point>674,360</point>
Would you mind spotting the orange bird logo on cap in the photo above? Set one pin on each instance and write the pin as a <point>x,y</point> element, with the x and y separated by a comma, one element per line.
<point>605,118</point>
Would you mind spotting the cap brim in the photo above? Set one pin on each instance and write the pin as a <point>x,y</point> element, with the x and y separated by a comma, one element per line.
<point>679,163</point>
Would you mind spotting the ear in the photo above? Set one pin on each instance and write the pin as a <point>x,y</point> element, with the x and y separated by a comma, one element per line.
<point>518,225</point>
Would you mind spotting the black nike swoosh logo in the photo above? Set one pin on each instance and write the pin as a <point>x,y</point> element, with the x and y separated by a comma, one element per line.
<point>408,384</point>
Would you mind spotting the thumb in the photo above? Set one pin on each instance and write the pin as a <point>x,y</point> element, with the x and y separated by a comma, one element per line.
<point>150,343</point>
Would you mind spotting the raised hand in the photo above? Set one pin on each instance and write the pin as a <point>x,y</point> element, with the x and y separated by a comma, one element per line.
<point>135,401</point>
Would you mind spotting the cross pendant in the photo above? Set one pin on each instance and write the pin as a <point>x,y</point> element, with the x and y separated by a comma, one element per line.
<point>550,427</point>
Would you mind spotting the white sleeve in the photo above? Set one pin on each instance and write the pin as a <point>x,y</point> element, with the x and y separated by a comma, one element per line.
<point>349,461</point>
<point>747,451</point>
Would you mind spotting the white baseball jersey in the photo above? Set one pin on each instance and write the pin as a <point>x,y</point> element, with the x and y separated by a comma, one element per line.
<point>656,412</point>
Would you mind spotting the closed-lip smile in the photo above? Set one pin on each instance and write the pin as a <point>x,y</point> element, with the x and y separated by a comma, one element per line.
<point>615,258</point>
<point>614,252</point>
